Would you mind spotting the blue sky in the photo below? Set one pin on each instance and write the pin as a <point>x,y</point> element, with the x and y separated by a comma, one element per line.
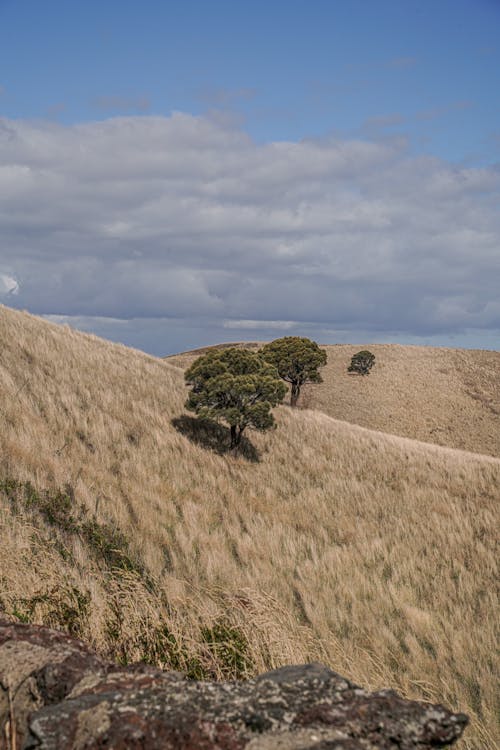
<point>289,69</point>
<point>402,89</point>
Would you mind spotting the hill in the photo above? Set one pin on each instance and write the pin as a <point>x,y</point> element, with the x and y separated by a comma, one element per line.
<point>124,522</point>
<point>445,396</point>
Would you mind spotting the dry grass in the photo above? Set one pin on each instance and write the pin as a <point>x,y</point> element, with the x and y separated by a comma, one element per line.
<point>371,552</point>
<point>449,397</point>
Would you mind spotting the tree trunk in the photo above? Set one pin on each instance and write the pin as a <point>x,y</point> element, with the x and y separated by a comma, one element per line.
<point>295,394</point>
<point>233,436</point>
<point>236,433</point>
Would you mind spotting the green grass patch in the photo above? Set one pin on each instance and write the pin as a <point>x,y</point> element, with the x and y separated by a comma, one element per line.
<point>59,509</point>
<point>65,609</point>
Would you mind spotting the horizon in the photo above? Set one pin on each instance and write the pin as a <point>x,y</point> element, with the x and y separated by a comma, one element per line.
<point>173,175</point>
<point>353,341</point>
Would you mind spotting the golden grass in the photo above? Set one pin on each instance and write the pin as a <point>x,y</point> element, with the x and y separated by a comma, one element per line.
<point>370,552</point>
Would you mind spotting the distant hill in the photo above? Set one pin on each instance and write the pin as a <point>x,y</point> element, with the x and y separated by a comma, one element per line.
<point>445,396</point>
<point>124,521</point>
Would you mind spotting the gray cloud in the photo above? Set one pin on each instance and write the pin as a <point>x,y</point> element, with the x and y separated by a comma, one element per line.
<point>373,126</point>
<point>55,110</point>
<point>385,121</point>
<point>261,325</point>
<point>220,96</point>
<point>186,219</point>
<point>435,112</point>
<point>116,103</point>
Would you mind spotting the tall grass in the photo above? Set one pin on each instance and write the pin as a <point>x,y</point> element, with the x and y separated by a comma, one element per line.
<point>327,541</point>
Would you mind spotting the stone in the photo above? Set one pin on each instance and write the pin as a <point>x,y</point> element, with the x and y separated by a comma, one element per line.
<point>55,694</point>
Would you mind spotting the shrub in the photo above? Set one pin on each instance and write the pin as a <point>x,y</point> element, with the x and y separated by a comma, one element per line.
<point>362,362</point>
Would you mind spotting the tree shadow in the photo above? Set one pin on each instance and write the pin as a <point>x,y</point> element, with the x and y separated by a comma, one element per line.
<point>213,436</point>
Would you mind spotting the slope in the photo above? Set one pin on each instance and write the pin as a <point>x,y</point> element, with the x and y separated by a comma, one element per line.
<point>327,541</point>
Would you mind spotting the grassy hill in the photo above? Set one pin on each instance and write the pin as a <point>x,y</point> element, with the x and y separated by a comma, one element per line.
<point>124,522</point>
<point>445,396</point>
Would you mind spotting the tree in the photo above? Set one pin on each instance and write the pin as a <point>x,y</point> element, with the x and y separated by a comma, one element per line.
<point>235,386</point>
<point>362,362</point>
<point>297,361</point>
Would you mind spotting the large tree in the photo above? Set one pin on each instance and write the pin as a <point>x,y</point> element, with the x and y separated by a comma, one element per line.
<point>235,386</point>
<point>297,361</point>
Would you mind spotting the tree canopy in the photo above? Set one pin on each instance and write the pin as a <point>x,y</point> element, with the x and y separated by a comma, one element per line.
<point>235,386</point>
<point>297,361</point>
<point>362,362</point>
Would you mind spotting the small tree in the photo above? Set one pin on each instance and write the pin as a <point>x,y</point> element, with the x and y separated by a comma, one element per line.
<point>235,386</point>
<point>362,362</point>
<point>297,361</point>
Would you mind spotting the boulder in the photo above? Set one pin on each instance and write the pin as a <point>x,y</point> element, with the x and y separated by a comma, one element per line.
<point>55,694</point>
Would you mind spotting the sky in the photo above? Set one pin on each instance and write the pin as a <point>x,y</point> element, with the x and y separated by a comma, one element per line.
<point>176,174</point>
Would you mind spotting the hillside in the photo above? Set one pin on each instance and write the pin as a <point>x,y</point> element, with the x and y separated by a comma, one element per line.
<point>445,396</point>
<point>325,541</point>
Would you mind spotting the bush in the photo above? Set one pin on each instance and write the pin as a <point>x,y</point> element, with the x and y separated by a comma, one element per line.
<point>229,648</point>
<point>362,362</point>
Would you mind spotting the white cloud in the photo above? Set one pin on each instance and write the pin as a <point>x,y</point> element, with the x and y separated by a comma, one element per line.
<point>8,285</point>
<point>186,218</point>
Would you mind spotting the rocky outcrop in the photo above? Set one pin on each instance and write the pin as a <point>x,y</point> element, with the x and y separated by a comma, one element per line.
<point>56,694</point>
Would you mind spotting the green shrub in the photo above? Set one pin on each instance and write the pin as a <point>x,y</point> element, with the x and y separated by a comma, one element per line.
<point>65,609</point>
<point>229,648</point>
<point>362,362</point>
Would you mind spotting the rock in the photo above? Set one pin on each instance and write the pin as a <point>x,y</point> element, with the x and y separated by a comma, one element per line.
<point>55,694</point>
<point>38,667</point>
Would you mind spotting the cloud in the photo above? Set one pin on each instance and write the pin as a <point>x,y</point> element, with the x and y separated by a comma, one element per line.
<point>219,96</point>
<point>55,110</point>
<point>383,121</point>
<point>187,220</point>
<point>8,285</point>
<point>257,325</point>
<point>435,112</point>
<point>84,323</point>
<point>110,103</point>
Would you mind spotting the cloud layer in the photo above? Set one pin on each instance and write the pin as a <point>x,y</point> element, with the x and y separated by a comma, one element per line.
<point>185,218</point>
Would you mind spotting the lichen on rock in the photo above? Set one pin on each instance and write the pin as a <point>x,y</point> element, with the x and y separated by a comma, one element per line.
<point>57,695</point>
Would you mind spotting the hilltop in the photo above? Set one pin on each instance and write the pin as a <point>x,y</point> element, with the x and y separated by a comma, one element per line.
<point>325,541</point>
<point>450,397</point>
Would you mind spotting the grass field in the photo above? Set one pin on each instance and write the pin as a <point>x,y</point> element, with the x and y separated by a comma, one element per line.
<point>324,541</point>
